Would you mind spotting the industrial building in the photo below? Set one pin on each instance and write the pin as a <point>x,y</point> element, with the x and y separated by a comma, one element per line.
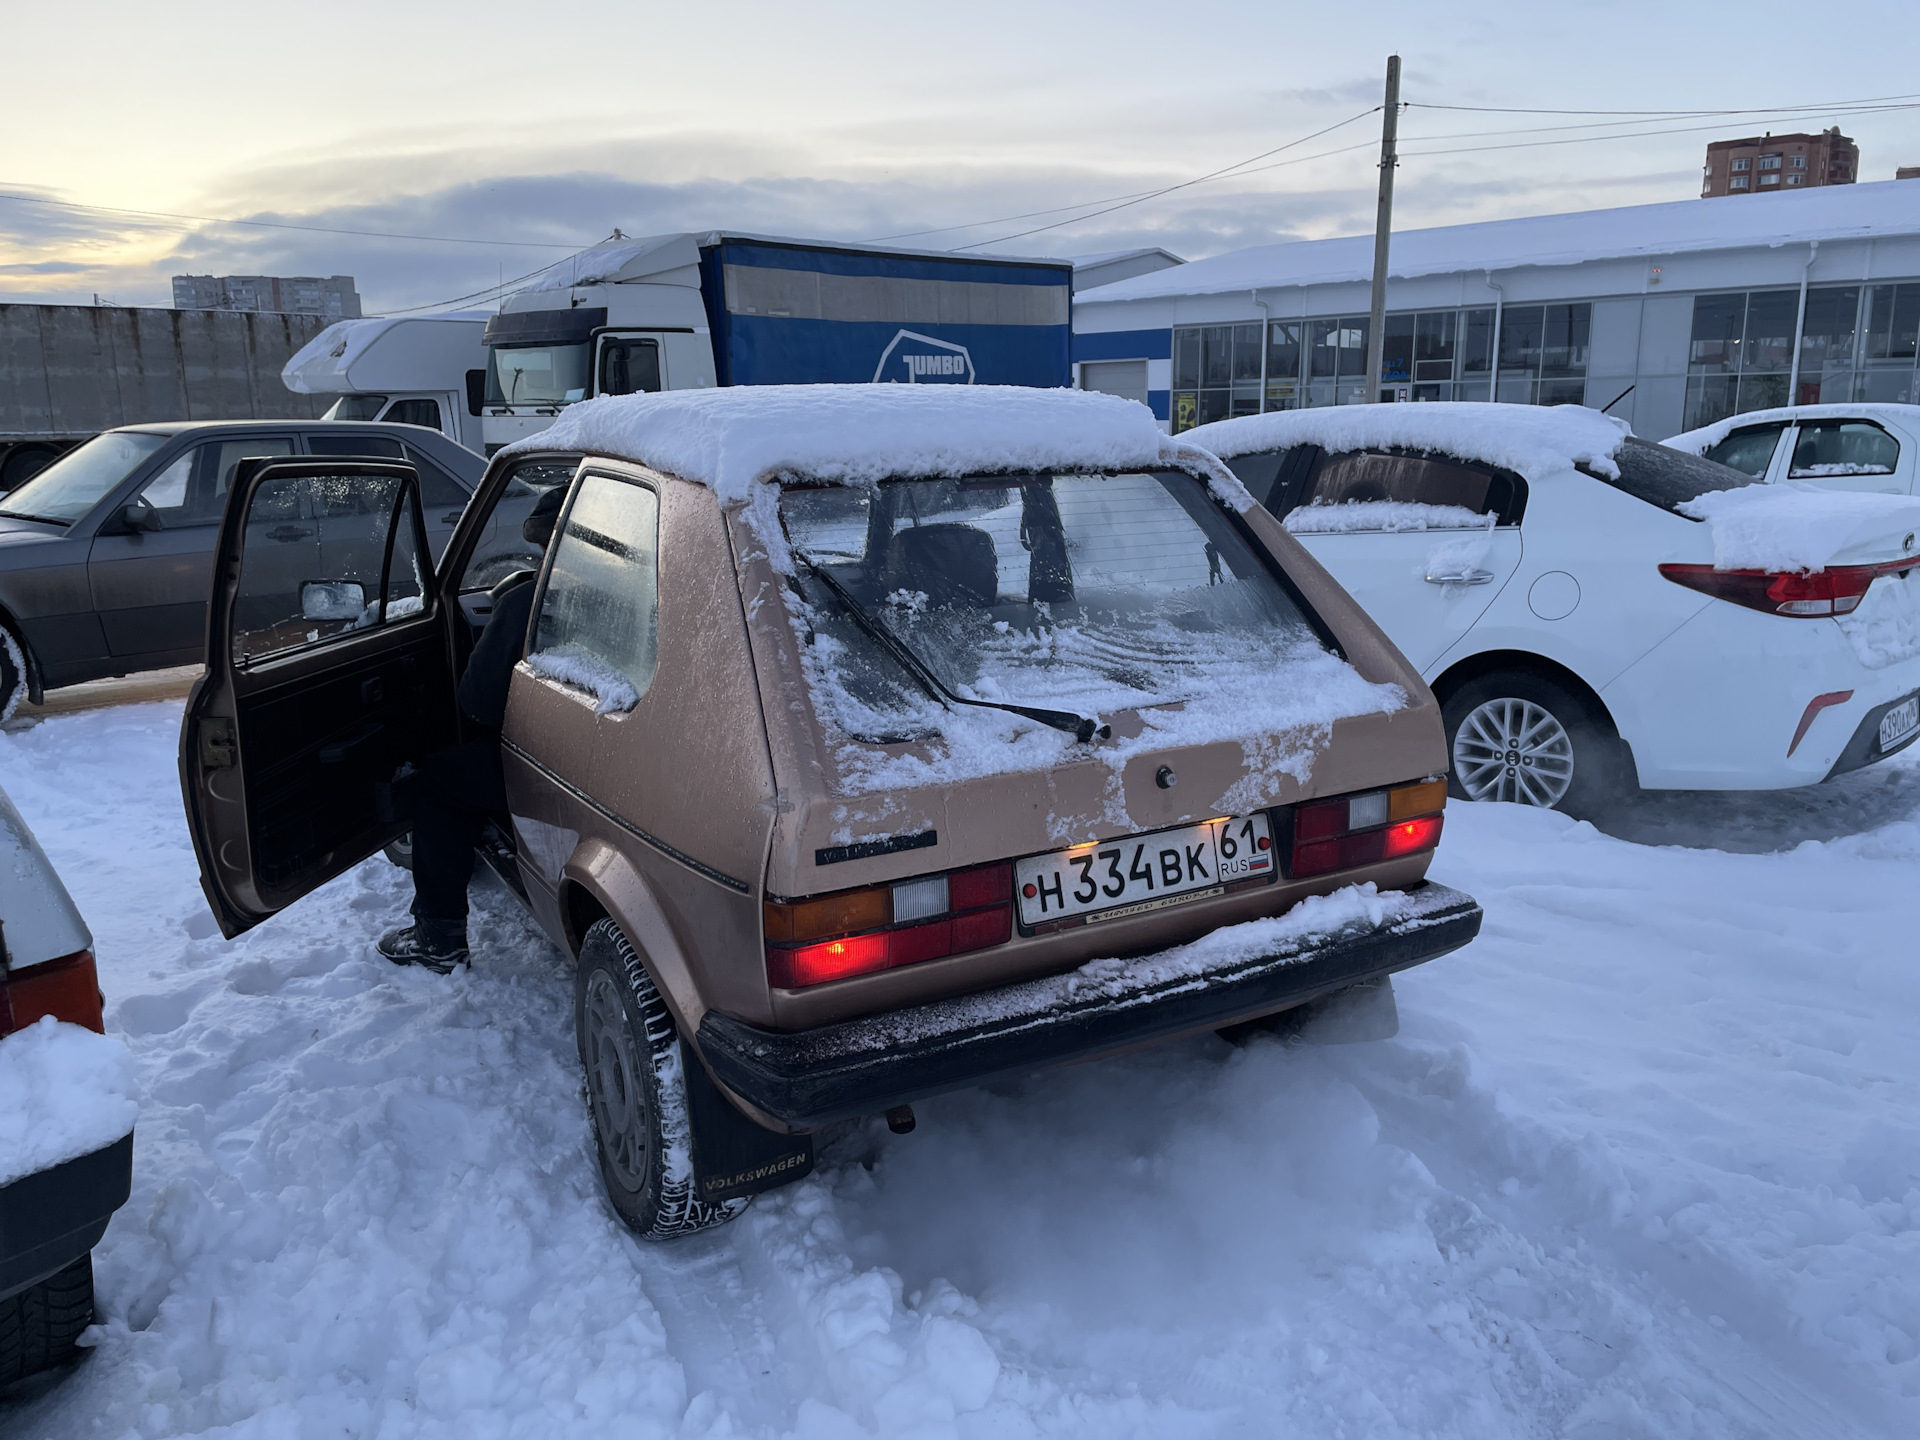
<point>1671,315</point>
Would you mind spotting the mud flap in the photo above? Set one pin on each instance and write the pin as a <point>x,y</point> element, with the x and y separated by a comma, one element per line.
<point>732,1156</point>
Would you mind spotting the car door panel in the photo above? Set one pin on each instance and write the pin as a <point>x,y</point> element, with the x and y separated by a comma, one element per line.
<point>292,742</point>
<point>1423,544</point>
<point>149,588</point>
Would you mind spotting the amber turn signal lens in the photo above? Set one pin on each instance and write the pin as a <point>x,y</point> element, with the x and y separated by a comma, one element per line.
<point>1427,798</point>
<point>829,915</point>
<point>67,989</point>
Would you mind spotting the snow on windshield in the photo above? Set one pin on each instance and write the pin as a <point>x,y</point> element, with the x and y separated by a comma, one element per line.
<point>1089,594</point>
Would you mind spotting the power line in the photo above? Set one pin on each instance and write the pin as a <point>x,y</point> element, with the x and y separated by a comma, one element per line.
<point>287,225</point>
<point>1587,139</point>
<point>1669,114</point>
<point>495,290</point>
<point>1168,190</point>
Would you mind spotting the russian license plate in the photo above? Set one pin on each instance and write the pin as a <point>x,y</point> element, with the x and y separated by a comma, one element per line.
<point>1115,878</point>
<point>1900,722</point>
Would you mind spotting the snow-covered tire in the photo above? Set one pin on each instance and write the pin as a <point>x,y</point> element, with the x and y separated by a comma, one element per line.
<point>13,675</point>
<point>637,1092</point>
<point>40,1327</point>
<point>1560,752</point>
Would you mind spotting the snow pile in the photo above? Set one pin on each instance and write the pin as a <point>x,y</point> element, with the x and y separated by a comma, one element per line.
<point>1393,516</point>
<point>64,1092</point>
<point>1885,628</point>
<point>1530,439</point>
<point>1643,1161</point>
<point>573,666</point>
<point>1698,442</point>
<point>727,439</point>
<point>1803,527</point>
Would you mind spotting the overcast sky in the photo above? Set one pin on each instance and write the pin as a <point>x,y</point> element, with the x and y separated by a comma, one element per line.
<point>549,126</point>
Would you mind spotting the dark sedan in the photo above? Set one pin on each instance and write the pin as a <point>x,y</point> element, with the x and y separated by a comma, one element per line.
<point>106,555</point>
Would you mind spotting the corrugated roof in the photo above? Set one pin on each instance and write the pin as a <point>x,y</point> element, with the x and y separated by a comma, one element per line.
<point>1888,207</point>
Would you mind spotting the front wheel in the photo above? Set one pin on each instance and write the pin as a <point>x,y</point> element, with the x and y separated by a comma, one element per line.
<point>13,675</point>
<point>637,1092</point>
<point>1522,738</point>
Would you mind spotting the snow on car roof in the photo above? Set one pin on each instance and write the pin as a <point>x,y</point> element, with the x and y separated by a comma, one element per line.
<point>1828,212</point>
<point>727,439</point>
<point>1698,442</point>
<point>1525,438</point>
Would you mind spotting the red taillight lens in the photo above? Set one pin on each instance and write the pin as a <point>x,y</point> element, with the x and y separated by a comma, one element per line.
<point>1835,591</point>
<point>67,989</point>
<point>1342,834</point>
<point>979,914</point>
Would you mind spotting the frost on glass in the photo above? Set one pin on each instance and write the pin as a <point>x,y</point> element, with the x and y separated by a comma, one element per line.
<point>324,555</point>
<point>1084,593</point>
<point>599,623</point>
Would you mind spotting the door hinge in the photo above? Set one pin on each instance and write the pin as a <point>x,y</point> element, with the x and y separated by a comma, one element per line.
<point>216,742</point>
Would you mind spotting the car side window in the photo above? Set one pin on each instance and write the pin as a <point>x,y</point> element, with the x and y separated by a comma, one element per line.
<point>1366,491</point>
<point>192,490</point>
<point>1748,450</point>
<point>415,412</point>
<point>1828,448</point>
<point>438,490</point>
<point>629,367</point>
<point>598,624</point>
<point>323,555</point>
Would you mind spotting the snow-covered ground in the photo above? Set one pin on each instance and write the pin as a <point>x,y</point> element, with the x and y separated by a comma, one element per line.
<point>1644,1161</point>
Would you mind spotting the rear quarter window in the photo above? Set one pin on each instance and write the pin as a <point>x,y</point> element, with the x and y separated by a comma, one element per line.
<point>1666,478</point>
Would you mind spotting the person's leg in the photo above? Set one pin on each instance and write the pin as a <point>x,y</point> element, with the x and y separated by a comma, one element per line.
<point>454,791</point>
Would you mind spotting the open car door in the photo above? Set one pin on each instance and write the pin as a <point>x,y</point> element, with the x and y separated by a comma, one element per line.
<point>327,670</point>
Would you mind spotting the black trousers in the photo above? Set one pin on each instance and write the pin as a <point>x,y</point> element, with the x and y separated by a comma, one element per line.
<point>455,792</point>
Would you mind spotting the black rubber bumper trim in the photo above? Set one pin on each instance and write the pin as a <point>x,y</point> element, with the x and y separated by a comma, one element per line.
<point>49,1219</point>
<point>864,1066</point>
<point>1864,748</point>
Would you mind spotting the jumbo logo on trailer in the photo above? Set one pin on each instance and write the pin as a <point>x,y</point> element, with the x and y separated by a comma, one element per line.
<point>926,361</point>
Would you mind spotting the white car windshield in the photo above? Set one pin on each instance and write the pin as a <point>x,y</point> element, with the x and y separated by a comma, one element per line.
<point>76,482</point>
<point>537,374</point>
<point>1074,593</point>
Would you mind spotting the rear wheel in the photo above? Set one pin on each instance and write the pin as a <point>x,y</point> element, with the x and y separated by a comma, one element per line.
<point>1522,738</point>
<point>637,1092</point>
<point>400,852</point>
<point>13,675</point>
<point>40,1327</point>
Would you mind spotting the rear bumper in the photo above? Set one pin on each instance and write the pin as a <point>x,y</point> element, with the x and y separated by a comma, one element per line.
<point>1865,748</point>
<point>49,1219</point>
<point>860,1067</point>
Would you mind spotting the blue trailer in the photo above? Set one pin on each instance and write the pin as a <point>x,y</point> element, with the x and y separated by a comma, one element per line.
<point>684,311</point>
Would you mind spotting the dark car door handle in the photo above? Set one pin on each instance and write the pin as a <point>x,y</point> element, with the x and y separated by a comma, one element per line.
<point>348,746</point>
<point>452,517</point>
<point>289,533</point>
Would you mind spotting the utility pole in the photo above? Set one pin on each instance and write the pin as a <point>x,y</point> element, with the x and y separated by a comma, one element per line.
<point>1383,230</point>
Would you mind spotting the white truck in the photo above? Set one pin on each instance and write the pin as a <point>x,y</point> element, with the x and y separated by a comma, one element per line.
<point>426,370</point>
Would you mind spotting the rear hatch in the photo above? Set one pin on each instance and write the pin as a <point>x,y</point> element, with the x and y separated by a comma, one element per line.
<point>977,686</point>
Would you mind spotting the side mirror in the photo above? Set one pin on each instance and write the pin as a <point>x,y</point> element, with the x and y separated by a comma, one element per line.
<point>332,600</point>
<point>137,517</point>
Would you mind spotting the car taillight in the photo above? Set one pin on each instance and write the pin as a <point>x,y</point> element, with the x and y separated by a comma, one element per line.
<point>1837,590</point>
<point>67,989</point>
<point>1354,830</point>
<point>881,927</point>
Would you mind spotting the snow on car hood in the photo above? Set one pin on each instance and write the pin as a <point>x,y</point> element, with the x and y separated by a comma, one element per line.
<point>1525,438</point>
<point>1804,527</point>
<point>728,439</point>
<point>1698,442</point>
<point>69,1092</point>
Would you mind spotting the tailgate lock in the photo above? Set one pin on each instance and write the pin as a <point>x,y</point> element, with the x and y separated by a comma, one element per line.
<point>1165,778</point>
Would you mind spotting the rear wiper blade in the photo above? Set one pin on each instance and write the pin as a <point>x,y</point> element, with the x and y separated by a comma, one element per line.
<point>1078,726</point>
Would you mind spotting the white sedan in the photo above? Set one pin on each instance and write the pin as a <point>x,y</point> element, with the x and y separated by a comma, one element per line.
<point>1837,447</point>
<point>1582,631</point>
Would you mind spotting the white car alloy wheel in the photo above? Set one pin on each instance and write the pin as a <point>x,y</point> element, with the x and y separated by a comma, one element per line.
<point>1512,749</point>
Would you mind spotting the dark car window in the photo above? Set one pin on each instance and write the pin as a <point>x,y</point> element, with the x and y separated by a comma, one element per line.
<point>1829,448</point>
<point>1749,451</point>
<point>1667,478</point>
<point>1284,480</point>
<point>415,412</point>
<point>192,490</point>
<point>81,478</point>
<point>438,490</point>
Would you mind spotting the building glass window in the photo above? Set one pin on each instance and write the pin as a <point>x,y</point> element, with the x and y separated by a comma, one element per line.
<point>1796,179</point>
<point>1769,180</point>
<point>1744,162</point>
<point>1738,182</point>
<point>1796,162</point>
<point>1741,355</point>
<point>1216,374</point>
<point>1892,323</point>
<point>1769,162</point>
<point>1826,345</point>
<point>1283,365</point>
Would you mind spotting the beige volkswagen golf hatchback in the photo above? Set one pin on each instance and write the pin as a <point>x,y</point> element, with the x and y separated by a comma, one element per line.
<point>869,742</point>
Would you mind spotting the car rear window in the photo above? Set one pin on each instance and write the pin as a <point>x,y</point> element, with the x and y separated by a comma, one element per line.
<point>1667,478</point>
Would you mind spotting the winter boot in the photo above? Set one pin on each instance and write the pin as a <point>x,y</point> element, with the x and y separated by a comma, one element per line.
<point>439,945</point>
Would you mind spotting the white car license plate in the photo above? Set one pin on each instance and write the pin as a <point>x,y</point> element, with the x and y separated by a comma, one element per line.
<point>1110,879</point>
<point>1900,722</point>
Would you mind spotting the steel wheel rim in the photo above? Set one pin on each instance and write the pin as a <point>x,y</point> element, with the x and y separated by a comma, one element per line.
<point>1512,749</point>
<point>614,1086</point>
